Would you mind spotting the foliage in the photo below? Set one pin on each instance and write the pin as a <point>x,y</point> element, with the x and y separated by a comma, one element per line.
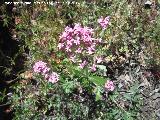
<point>81,93</point>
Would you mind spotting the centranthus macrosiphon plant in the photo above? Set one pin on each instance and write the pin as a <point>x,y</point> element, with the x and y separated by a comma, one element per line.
<point>80,46</point>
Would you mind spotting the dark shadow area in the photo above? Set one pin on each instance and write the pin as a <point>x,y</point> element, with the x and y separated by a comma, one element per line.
<point>11,61</point>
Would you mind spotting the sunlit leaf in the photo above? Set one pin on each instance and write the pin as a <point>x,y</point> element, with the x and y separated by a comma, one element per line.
<point>97,80</point>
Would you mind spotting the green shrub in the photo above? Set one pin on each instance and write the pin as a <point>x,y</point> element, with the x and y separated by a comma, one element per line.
<point>80,93</point>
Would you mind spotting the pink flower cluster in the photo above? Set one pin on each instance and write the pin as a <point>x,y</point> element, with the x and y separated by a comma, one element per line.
<point>78,43</point>
<point>104,21</point>
<point>109,85</point>
<point>41,68</point>
<point>78,39</point>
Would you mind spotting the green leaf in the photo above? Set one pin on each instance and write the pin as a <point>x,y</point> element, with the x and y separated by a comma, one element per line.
<point>134,89</point>
<point>97,80</point>
<point>74,70</point>
<point>102,67</point>
<point>98,95</point>
<point>102,33</point>
<point>127,116</point>
<point>68,86</point>
<point>128,96</point>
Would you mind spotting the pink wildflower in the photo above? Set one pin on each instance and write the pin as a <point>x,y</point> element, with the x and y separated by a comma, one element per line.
<point>104,22</point>
<point>46,76</point>
<point>93,47</point>
<point>69,37</point>
<point>87,31</point>
<point>99,59</point>
<point>77,42</point>
<point>79,50</point>
<point>109,85</point>
<point>90,50</point>
<point>99,40</point>
<point>69,29</point>
<point>77,28</point>
<point>45,70</point>
<point>73,58</point>
<point>53,77</point>
<point>93,68</point>
<point>40,67</point>
<point>84,63</point>
<point>60,45</point>
<point>69,42</point>
<point>68,48</point>
<point>64,35</point>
